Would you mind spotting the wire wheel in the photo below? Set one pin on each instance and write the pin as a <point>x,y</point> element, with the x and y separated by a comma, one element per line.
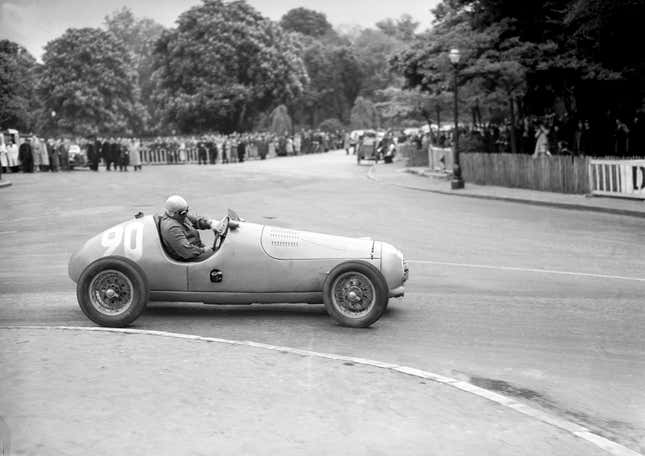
<point>111,292</point>
<point>353,294</point>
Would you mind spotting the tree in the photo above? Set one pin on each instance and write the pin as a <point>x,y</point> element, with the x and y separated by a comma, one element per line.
<point>373,49</point>
<point>403,29</point>
<point>306,21</point>
<point>17,86</point>
<point>281,124</point>
<point>396,106</point>
<point>334,82</point>
<point>88,80</point>
<point>331,125</point>
<point>138,37</point>
<point>364,114</point>
<point>222,66</point>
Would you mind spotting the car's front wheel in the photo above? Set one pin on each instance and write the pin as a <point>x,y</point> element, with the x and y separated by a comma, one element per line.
<point>112,292</point>
<point>355,294</point>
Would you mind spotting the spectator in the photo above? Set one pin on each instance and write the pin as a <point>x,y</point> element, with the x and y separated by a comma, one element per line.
<point>26,156</point>
<point>542,142</point>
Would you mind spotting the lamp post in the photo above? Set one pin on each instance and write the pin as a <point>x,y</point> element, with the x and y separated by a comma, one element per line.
<point>457,181</point>
<point>54,129</point>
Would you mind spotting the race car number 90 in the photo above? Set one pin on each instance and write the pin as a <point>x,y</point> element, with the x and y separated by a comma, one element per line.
<point>132,237</point>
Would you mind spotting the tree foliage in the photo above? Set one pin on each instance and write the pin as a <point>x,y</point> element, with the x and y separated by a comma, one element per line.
<point>331,125</point>
<point>88,80</point>
<point>373,49</point>
<point>307,22</point>
<point>17,79</point>
<point>364,114</point>
<point>138,37</point>
<point>223,65</point>
<point>280,119</point>
<point>403,29</point>
<point>334,82</point>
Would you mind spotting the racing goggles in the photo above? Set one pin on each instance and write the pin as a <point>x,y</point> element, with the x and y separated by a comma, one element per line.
<point>183,213</point>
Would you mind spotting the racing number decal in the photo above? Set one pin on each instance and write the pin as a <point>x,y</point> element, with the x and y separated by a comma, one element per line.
<point>132,237</point>
<point>112,239</point>
<point>133,232</point>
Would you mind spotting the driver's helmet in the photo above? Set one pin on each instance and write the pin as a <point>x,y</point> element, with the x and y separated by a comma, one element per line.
<point>176,205</point>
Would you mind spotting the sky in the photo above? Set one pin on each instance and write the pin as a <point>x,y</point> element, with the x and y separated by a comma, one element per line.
<point>32,23</point>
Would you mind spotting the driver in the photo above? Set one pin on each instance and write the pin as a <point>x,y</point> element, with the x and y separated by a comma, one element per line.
<point>179,231</point>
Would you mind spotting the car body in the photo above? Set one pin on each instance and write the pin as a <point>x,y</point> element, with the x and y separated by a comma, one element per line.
<point>77,156</point>
<point>367,148</point>
<point>254,264</point>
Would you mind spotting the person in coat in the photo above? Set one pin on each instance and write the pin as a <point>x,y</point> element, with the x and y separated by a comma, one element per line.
<point>542,142</point>
<point>179,231</point>
<point>63,155</point>
<point>241,150</point>
<point>135,154</point>
<point>26,156</point>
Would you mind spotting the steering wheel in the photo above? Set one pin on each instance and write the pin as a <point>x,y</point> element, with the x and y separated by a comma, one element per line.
<point>219,237</point>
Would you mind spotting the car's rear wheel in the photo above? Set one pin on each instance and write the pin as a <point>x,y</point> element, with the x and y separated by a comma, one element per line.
<point>112,292</point>
<point>355,294</point>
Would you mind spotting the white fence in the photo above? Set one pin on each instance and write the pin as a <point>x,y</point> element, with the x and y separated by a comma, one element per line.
<point>620,178</point>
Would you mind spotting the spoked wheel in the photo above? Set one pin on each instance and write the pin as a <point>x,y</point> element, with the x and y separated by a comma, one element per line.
<point>355,294</point>
<point>112,292</point>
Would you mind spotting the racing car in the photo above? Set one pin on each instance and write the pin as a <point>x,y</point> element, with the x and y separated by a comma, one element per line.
<point>120,270</point>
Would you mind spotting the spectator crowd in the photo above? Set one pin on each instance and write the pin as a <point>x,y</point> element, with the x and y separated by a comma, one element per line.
<point>552,134</point>
<point>31,153</point>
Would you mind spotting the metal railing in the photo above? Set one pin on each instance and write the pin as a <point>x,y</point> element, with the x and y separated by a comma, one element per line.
<point>619,178</point>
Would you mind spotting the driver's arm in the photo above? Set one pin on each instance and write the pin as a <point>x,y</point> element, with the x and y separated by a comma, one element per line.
<point>201,223</point>
<point>175,237</point>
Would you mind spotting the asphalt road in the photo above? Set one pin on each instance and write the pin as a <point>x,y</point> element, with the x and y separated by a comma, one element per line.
<point>571,344</point>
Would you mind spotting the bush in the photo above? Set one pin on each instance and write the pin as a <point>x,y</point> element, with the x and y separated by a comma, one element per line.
<point>471,143</point>
<point>331,125</point>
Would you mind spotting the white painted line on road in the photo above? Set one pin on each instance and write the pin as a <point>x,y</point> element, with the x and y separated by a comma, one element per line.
<point>572,428</point>
<point>543,271</point>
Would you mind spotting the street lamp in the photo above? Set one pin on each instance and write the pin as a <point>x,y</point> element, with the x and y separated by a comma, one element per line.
<point>457,181</point>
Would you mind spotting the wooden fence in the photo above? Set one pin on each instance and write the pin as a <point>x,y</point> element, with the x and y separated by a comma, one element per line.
<point>414,156</point>
<point>562,174</point>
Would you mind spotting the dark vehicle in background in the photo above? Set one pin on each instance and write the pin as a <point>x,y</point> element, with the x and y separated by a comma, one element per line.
<point>77,157</point>
<point>367,148</point>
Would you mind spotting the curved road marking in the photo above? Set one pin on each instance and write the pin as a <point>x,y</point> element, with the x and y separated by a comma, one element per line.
<point>543,271</point>
<point>572,428</point>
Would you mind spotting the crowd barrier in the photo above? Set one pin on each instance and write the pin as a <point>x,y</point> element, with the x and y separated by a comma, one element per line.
<point>191,156</point>
<point>618,178</point>
<point>558,173</point>
<point>413,156</point>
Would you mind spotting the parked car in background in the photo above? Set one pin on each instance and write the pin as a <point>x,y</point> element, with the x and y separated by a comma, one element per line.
<point>77,156</point>
<point>367,148</point>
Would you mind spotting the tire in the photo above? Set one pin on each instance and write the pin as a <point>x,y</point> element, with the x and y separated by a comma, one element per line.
<point>104,286</point>
<point>388,159</point>
<point>368,287</point>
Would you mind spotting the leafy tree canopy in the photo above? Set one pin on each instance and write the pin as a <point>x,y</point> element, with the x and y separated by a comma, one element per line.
<point>223,65</point>
<point>306,21</point>
<point>403,29</point>
<point>138,37</point>
<point>335,81</point>
<point>331,125</point>
<point>364,114</point>
<point>280,120</point>
<point>17,77</point>
<point>88,80</point>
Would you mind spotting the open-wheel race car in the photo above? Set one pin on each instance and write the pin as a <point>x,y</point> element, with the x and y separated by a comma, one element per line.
<point>119,270</point>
